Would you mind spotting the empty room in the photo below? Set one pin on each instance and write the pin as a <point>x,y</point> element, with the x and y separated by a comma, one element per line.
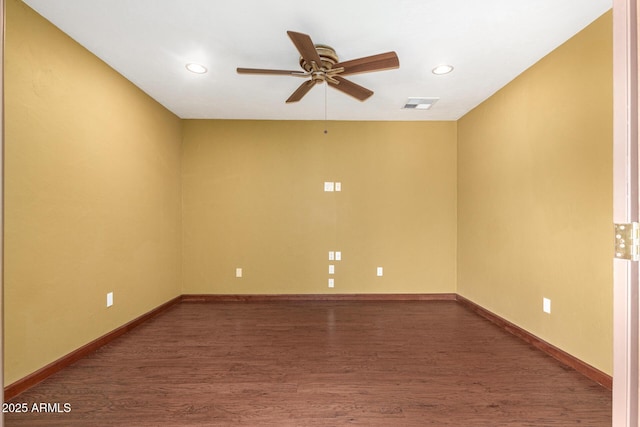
<point>274,213</point>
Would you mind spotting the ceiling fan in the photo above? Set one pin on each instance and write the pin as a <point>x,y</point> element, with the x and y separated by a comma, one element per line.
<point>321,64</point>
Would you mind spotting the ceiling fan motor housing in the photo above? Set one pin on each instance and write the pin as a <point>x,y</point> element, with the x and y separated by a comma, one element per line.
<point>328,58</point>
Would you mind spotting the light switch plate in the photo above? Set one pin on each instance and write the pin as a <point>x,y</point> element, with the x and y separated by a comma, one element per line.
<point>238,272</point>
<point>379,271</point>
<point>338,256</point>
<point>546,305</point>
<point>332,269</point>
<point>338,186</point>
<point>332,255</point>
<point>331,283</point>
<point>328,186</point>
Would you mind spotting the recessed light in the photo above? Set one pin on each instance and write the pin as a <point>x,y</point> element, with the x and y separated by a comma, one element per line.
<point>442,69</point>
<point>196,68</point>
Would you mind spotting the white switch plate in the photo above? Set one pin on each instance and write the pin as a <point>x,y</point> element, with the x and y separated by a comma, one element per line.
<point>328,186</point>
<point>331,283</point>
<point>332,269</point>
<point>109,299</point>
<point>546,305</point>
<point>379,271</point>
<point>238,272</point>
<point>338,255</point>
<point>338,186</point>
<point>332,255</point>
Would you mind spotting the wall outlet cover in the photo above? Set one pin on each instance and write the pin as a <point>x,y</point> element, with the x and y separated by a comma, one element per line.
<point>109,299</point>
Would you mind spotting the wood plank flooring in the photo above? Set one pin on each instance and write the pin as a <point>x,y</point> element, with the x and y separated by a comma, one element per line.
<point>402,363</point>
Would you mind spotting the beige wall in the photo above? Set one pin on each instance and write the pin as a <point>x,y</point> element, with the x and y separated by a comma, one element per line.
<point>535,198</point>
<point>253,198</point>
<point>507,206</point>
<point>92,196</point>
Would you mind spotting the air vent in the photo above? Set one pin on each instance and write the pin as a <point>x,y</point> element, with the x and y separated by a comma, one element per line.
<point>420,103</point>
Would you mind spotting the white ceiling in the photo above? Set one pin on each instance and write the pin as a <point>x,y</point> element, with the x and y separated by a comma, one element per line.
<point>489,42</point>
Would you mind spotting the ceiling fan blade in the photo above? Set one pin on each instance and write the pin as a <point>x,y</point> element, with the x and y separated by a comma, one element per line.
<point>305,46</point>
<point>350,88</point>
<point>266,71</point>
<point>301,91</point>
<point>382,61</point>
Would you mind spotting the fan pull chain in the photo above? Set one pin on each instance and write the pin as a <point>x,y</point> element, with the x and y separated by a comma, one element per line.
<point>325,108</point>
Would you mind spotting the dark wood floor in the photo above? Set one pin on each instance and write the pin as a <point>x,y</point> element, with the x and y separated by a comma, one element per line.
<point>318,364</point>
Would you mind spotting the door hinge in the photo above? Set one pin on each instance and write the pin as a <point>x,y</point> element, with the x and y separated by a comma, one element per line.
<point>627,241</point>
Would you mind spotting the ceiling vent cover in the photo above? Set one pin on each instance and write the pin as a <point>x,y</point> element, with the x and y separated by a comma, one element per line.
<point>420,103</point>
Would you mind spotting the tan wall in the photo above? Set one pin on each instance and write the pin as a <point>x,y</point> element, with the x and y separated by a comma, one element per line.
<point>253,198</point>
<point>93,200</point>
<point>92,196</point>
<point>535,198</point>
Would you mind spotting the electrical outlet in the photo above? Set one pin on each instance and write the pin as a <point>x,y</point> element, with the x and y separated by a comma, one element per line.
<point>238,272</point>
<point>338,256</point>
<point>109,299</point>
<point>331,283</point>
<point>379,271</point>
<point>332,255</point>
<point>546,305</point>
<point>332,269</point>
